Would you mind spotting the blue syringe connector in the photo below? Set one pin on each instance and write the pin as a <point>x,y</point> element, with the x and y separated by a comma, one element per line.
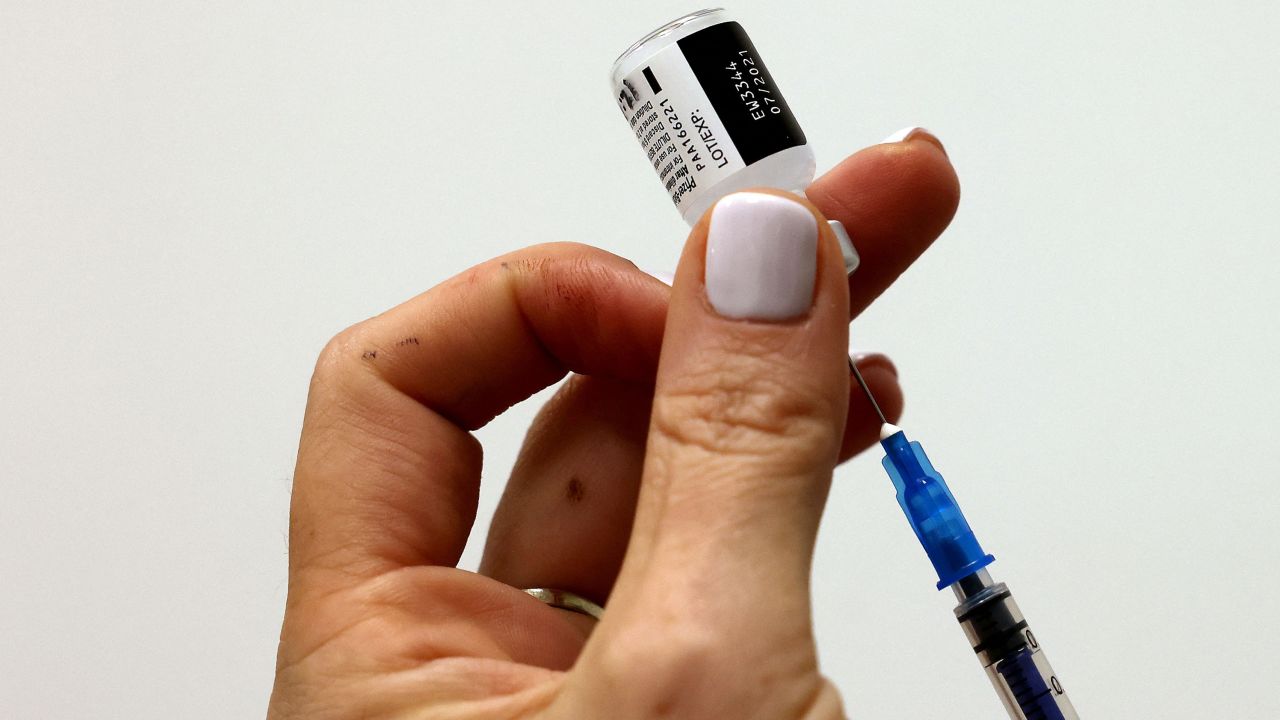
<point>932,511</point>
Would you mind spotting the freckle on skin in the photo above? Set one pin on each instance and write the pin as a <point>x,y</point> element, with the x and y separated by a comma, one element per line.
<point>574,492</point>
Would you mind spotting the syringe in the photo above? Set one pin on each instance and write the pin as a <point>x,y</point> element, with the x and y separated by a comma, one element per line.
<point>1006,647</point>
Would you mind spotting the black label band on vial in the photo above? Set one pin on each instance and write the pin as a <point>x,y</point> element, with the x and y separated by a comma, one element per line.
<point>653,81</point>
<point>741,90</point>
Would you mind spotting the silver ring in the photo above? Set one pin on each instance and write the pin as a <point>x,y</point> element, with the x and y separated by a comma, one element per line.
<point>566,600</point>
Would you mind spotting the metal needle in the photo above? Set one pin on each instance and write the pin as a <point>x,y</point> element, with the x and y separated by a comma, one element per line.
<point>866,390</point>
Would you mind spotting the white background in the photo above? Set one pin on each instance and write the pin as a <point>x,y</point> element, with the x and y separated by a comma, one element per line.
<point>194,196</point>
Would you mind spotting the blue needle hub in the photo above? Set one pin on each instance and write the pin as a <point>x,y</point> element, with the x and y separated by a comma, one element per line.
<point>932,511</point>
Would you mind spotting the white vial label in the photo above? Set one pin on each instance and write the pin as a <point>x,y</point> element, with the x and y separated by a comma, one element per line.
<point>704,108</point>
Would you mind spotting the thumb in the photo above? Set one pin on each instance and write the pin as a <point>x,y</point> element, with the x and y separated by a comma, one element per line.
<point>749,411</point>
<point>751,393</point>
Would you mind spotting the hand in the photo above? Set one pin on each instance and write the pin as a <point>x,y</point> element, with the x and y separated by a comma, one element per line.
<point>713,498</point>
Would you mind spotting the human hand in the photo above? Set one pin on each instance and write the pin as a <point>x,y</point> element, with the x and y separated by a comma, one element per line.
<point>713,499</point>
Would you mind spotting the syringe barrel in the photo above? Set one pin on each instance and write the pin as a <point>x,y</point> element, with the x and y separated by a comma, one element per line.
<point>1009,651</point>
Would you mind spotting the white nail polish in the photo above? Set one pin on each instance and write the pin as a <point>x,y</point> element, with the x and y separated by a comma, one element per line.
<point>903,134</point>
<point>662,276</point>
<point>762,256</point>
<point>847,249</point>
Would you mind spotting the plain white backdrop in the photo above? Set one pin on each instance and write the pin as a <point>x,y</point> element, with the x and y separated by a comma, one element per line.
<point>195,196</point>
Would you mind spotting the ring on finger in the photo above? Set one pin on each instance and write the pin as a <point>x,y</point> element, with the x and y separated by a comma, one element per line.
<point>566,600</point>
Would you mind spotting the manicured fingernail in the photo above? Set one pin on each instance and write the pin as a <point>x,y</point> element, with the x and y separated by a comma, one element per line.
<point>913,133</point>
<point>666,278</point>
<point>762,257</point>
<point>847,250</point>
<point>868,359</point>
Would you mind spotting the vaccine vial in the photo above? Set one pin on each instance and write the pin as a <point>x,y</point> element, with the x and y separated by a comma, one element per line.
<point>708,115</point>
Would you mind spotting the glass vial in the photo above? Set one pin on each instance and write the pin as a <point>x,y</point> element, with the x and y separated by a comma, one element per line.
<point>708,114</point>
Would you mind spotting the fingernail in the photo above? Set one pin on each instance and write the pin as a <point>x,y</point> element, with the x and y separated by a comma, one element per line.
<point>762,256</point>
<point>869,359</point>
<point>666,278</point>
<point>913,133</point>
<point>847,250</point>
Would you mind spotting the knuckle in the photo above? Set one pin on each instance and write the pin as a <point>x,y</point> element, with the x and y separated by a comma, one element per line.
<point>747,407</point>
<point>551,258</point>
<point>344,353</point>
<point>661,667</point>
<point>657,674</point>
<point>340,346</point>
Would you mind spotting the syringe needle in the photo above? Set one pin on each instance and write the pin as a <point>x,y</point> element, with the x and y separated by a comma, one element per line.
<point>866,390</point>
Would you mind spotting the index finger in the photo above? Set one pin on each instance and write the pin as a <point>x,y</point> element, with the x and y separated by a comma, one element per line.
<point>894,199</point>
<point>387,472</point>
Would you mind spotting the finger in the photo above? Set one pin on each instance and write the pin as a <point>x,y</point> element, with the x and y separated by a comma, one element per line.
<point>894,199</point>
<point>746,427</point>
<point>565,515</point>
<point>387,473</point>
<point>751,394</point>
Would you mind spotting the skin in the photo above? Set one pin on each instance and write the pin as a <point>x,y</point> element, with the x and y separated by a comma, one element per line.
<point>678,477</point>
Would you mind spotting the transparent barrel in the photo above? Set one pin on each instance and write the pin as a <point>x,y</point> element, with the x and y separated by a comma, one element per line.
<point>1009,651</point>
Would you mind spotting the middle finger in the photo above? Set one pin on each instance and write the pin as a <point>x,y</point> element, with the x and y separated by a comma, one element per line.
<point>565,516</point>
